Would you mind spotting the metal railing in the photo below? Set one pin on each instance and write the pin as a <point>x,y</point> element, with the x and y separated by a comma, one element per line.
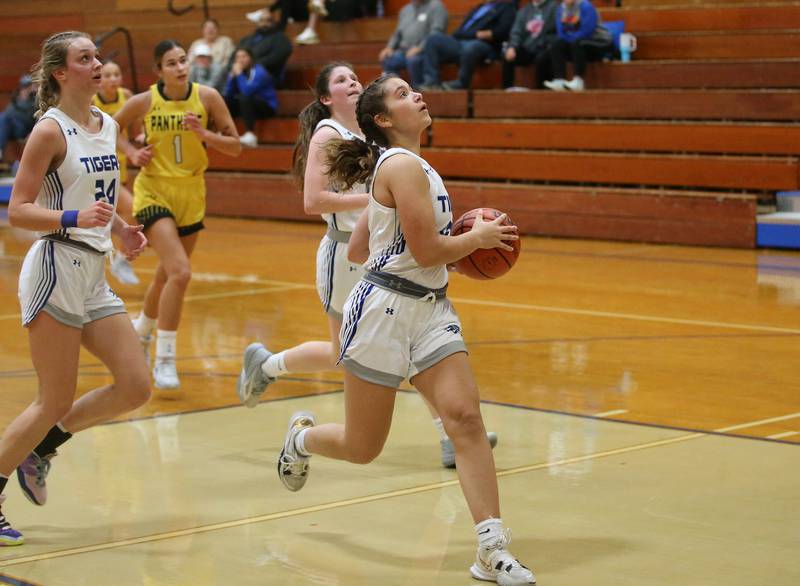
<point>182,11</point>
<point>131,59</point>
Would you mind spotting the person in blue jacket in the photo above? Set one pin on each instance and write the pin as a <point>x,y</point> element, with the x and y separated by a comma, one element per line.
<point>581,38</point>
<point>479,38</point>
<point>250,94</point>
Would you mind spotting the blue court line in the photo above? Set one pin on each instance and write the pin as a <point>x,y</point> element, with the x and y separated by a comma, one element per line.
<point>6,579</point>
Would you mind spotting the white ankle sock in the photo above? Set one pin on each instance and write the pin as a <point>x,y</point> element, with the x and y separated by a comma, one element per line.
<point>437,423</point>
<point>144,325</point>
<point>275,366</point>
<point>489,531</point>
<point>165,345</point>
<point>300,443</point>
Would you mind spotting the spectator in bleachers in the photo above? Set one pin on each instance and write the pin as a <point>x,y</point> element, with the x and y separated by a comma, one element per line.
<point>416,22</point>
<point>222,47</point>
<point>16,121</point>
<point>268,45</point>
<point>478,39</point>
<point>532,33</point>
<point>250,94</point>
<point>204,69</point>
<point>581,38</point>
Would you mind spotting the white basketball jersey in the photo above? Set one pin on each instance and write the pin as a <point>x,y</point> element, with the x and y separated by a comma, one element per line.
<point>388,251</point>
<point>89,172</point>
<point>343,221</point>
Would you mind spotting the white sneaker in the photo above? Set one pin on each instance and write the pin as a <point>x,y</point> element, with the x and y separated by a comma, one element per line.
<point>557,85</point>
<point>255,16</point>
<point>165,375</point>
<point>307,37</point>
<point>495,563</point>
<point>575,84</point>
<point>252,381</point>
<point>293,467</point>
<point>318,6</point>
<point>517,89</point>
<point>122,270</point>
<point>249,139</point>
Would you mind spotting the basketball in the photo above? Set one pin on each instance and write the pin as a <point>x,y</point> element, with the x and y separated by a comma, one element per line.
<point>485,263</point>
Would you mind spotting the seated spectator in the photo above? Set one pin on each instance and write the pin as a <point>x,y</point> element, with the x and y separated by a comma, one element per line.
<point>16,121</point>
<point>533,31</point>
<point>204,70</point>
<point>581,38</point>
<point>250,94</point>
<point>296,10</point>
<point>221,46</point>
<point>478,39</point>
<point>416,22</point>
<point>268,45</point>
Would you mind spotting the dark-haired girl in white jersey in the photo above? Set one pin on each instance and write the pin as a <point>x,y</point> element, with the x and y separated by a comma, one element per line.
<point>66,189</point>
<point>332,115</point>
<point>398,322</point>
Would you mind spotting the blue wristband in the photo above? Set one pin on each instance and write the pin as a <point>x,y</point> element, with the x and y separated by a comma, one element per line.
<point>69,219</point>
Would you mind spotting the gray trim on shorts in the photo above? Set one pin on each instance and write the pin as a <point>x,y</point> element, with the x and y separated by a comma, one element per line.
<point>58,314</point>
<point>333,313</point>
<point>371,375</point>
<point>440,354</point>
<point>338,235</point>
<point>96,314</point>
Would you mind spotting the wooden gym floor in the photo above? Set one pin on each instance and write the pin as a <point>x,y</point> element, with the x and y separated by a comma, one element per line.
<point>647,400</point>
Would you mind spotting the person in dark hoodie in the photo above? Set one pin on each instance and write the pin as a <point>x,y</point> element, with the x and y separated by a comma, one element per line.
<point>533,31</point>
<point>268,45</point>
<point>478,39</point>
<point>581,38</point>
<point>250,93</point>
<point>16,122</point>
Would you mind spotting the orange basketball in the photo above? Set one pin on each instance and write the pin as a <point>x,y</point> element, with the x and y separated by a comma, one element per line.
<point>485,263</point>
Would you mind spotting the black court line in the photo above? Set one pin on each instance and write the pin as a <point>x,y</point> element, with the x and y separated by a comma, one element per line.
<point>483,401</point>
<point>218,408</point>
<point>668,260</point>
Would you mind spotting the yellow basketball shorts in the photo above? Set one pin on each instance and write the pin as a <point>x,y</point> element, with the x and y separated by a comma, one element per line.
<point>180,198</point>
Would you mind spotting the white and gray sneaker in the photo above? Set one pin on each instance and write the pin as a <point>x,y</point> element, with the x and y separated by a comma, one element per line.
<point>165,375</point>
<point>293,467</point>
<point>123,271</point>
<point>449,450</point>
<point>252,381</point>
<point>494,563</point>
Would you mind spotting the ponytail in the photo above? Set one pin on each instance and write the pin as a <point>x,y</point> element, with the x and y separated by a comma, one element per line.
<point>311,115</point>
<point>350,161</point>
<point>353,161</point>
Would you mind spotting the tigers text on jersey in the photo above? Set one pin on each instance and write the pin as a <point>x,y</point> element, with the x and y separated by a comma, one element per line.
<point>89,173</point>
<point>177,152</point>
<point>343,221</point>
<point>388,251</point>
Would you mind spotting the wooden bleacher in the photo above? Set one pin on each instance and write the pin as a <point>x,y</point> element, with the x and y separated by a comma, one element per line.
<point>676,146</point>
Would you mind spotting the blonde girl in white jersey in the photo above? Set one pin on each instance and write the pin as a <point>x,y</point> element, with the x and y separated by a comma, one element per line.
<point>66,190</point>
<point>332,115</point>
<point>405,236</point>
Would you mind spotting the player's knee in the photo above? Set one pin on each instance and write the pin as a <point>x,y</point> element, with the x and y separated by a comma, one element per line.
<point>363,454</point>
<point>134,389</point>
<point>181,275</point>
<point>464,421</point>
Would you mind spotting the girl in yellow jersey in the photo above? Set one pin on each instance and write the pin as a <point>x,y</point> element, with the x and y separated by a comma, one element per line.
<point>110,99</point>
<point>180,120</point>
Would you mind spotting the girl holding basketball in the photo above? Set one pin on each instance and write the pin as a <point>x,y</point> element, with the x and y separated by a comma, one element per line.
<point>332,115</point>
<point>398,321</point>
<point>181,119</point>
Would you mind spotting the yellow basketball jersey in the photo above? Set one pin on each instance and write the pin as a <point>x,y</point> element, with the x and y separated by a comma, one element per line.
<point>112,108</point>
<point>177,152</point>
